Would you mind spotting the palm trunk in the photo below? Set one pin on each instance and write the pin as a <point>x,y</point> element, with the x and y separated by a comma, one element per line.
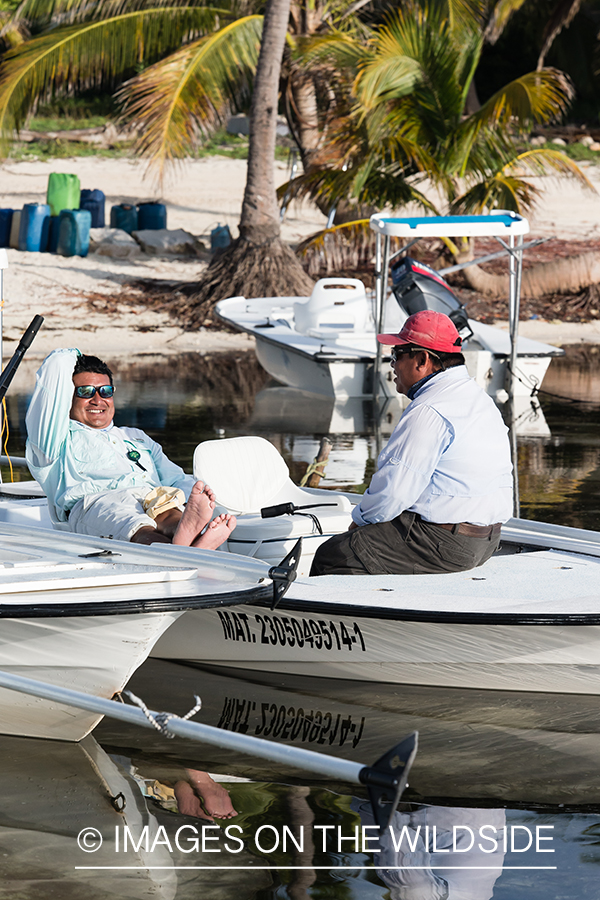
<point>258,263</point>
<point>566,275</point>
<point>260,214</point>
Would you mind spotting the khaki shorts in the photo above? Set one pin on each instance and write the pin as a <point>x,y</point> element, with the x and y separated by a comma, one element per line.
<point>111,514</point>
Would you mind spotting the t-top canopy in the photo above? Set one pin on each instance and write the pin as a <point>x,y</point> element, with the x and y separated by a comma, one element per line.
<point>498,224</point>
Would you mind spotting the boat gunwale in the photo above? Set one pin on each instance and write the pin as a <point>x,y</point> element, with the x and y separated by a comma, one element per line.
<point>259,593</point>
<point>442,617</point>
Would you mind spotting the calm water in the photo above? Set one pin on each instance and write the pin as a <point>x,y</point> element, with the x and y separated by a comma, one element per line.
<point>515,764</point>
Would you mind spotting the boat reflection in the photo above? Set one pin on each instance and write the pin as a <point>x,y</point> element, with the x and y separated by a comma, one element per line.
<point>486,748</point>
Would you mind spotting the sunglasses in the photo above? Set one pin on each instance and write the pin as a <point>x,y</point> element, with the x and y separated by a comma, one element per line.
<point>398,351</point>
<point>87,391</point>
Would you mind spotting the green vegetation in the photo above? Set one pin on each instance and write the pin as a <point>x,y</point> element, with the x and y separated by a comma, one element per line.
<point>578,152</point>
<point>57,149</point>
<point>410,119</point>
<point>39,123</point>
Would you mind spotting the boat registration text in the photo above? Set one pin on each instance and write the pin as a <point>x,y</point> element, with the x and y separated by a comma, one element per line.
<point>289,631</point>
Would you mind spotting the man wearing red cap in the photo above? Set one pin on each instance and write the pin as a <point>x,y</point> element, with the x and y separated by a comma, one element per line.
<point>444,481</point>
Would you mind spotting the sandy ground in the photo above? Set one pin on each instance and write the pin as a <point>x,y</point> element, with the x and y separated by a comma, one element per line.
<point>199,195</point>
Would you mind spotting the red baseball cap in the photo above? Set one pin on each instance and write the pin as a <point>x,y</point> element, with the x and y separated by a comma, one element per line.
<point>428,329</point>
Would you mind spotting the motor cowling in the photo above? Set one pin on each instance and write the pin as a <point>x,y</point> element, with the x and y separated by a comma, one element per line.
<point>418,287</point>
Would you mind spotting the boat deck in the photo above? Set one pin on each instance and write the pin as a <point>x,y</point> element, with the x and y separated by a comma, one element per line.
<point>540,586</point>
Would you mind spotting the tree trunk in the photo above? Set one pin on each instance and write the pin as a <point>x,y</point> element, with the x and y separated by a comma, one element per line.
<point>566,275</point>
<point>258,263</point>
<point>304,100</point>
<point>260,214</point>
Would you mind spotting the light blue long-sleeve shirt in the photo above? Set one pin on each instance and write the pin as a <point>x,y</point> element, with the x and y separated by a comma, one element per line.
<point>70,460</point>
<point>448,459</point>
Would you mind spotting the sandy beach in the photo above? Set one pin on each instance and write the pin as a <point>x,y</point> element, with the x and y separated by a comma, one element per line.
<point>199,194</point>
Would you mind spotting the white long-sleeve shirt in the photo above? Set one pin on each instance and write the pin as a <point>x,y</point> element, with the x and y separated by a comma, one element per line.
<point>448,459</point>
<point>71,460</point>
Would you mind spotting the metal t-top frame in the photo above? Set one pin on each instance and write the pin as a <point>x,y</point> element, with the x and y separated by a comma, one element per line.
<point>502,224</point>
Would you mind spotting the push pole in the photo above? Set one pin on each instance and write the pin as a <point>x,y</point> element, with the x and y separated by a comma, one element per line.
<point>515,270</point>
<point>378,313</point>
<point>385,780</point>
<point>382,261</point>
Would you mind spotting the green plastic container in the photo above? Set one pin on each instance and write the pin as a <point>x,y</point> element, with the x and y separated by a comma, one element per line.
<point>63,192</point>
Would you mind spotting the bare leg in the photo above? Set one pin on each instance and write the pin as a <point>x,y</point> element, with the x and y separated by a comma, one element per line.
<point>196,515</point>
<point>217,532</point>
<point>167,522</point>
<point>149,535</point>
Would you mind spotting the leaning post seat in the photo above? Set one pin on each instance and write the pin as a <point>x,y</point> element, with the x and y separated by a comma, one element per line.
<point>336,305</point>
<point>248,474</point>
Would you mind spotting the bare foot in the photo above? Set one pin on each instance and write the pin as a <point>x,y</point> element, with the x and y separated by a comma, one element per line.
<point>188,802</point>
<point>196,515</point>
<point>215,798</point>
<point>217,532</point>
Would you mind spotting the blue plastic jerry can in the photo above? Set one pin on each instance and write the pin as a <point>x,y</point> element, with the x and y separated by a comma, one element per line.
<point>220,237</point>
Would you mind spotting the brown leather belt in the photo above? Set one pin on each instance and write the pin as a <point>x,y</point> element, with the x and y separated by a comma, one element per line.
<point>476,531</point>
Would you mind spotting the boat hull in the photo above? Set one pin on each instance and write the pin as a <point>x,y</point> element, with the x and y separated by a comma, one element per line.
<point>346,378</point>
<point>512,657</point>
<point>94,654</point>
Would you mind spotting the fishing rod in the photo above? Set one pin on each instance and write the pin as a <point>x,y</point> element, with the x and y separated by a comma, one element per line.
<point>15,360</point>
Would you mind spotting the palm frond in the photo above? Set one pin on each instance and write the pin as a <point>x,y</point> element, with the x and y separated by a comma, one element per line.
<point>336,47</point>
<point>91,54</point>
<point>500,13</point>
<point>42,14</point>
<point>499,191</point>
<point>562,16</point>
<point>534,97</point>
<point>540,160</point>
<point>337,250</point>
<point>186,94</point>
<point>412,54</point>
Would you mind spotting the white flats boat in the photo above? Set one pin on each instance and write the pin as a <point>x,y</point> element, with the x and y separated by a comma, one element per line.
<point>527,620</point>
<point>326,343</point>
<point>84,613</point>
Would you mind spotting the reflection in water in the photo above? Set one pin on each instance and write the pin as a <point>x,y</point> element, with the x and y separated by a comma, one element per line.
<point>125,786</point>
<point>442,853</point>
<point>485,748</point>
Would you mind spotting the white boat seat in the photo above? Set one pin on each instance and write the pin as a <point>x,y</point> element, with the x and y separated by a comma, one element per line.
<point>24,503</point>
<point>248,474</point>
<point>46,509</point>
<point>336,304</point>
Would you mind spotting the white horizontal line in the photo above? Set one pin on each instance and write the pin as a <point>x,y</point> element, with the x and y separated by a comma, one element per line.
<point>319,868</point>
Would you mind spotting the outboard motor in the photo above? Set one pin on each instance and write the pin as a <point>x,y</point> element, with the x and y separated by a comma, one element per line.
<point>418,287</point>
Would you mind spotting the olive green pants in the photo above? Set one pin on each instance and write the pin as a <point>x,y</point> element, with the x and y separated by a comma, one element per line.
<point>405,546</point>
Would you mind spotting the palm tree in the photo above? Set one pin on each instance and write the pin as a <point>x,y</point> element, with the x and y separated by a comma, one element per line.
<point>409,121</point>
<point>77,45</point>
<point>258,261</point>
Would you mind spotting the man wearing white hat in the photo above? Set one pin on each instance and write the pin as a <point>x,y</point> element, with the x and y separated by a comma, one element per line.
<point>444,481</point>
